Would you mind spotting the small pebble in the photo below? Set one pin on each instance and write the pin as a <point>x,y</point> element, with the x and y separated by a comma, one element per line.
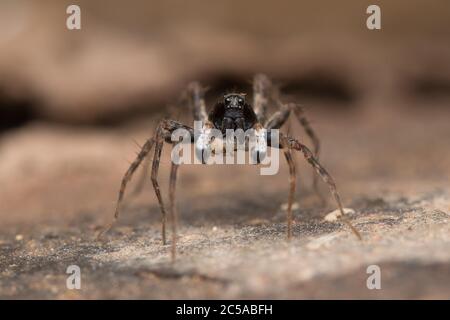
<point>334,215</point>
<point>295,206</point>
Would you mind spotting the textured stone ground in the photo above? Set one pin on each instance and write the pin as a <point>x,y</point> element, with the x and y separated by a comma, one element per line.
<point>59,187</point>
<point>72,102</point>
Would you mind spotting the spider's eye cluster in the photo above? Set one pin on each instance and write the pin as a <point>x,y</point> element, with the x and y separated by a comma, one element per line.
<point>234,101</point>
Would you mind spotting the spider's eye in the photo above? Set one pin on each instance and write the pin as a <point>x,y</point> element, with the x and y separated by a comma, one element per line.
<point>241,100</point>
<point>228,99</point>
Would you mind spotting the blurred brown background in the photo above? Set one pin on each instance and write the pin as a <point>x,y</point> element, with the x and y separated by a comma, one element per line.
<point>71,103</point>
<point>131,58</point>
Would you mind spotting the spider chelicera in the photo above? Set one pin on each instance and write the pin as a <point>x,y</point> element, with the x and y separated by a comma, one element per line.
<point>231,112</point>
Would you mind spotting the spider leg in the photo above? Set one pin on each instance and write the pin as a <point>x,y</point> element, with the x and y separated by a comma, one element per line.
<point>261,87</point>
<point>326,177</point>
<point>194,96</point>
<point>172,208</point>
<point>126,178</point>
<point>140,184</point>
<point>196,100</point>
<point>159,143</point>
<point>292,182</point>
<point>303,120</point>
<point>280,117</point>
<point>163,133</point>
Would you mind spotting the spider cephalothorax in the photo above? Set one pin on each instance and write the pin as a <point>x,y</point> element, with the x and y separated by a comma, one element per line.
<point>232,112</point>
<point>234,101</point>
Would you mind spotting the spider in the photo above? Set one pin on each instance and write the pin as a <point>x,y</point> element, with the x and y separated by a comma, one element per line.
<point>231,112</point>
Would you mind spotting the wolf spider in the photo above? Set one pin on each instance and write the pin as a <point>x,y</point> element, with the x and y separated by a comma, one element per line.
<point>232,112</point>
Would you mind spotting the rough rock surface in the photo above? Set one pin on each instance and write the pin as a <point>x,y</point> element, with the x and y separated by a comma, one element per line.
<point>59,187</point>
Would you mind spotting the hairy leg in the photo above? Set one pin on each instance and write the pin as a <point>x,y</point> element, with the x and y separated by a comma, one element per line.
<point>280,117</point>
<point>140,184</point>
<point>172,208</point>
<point>286,142</point>
<point>261,92</point>
<point>159,143</point>
<point>126,178</point>
<point>163,133</point>
<point>292,183</point>
<point>195,96</point>
<point>303,120</point>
